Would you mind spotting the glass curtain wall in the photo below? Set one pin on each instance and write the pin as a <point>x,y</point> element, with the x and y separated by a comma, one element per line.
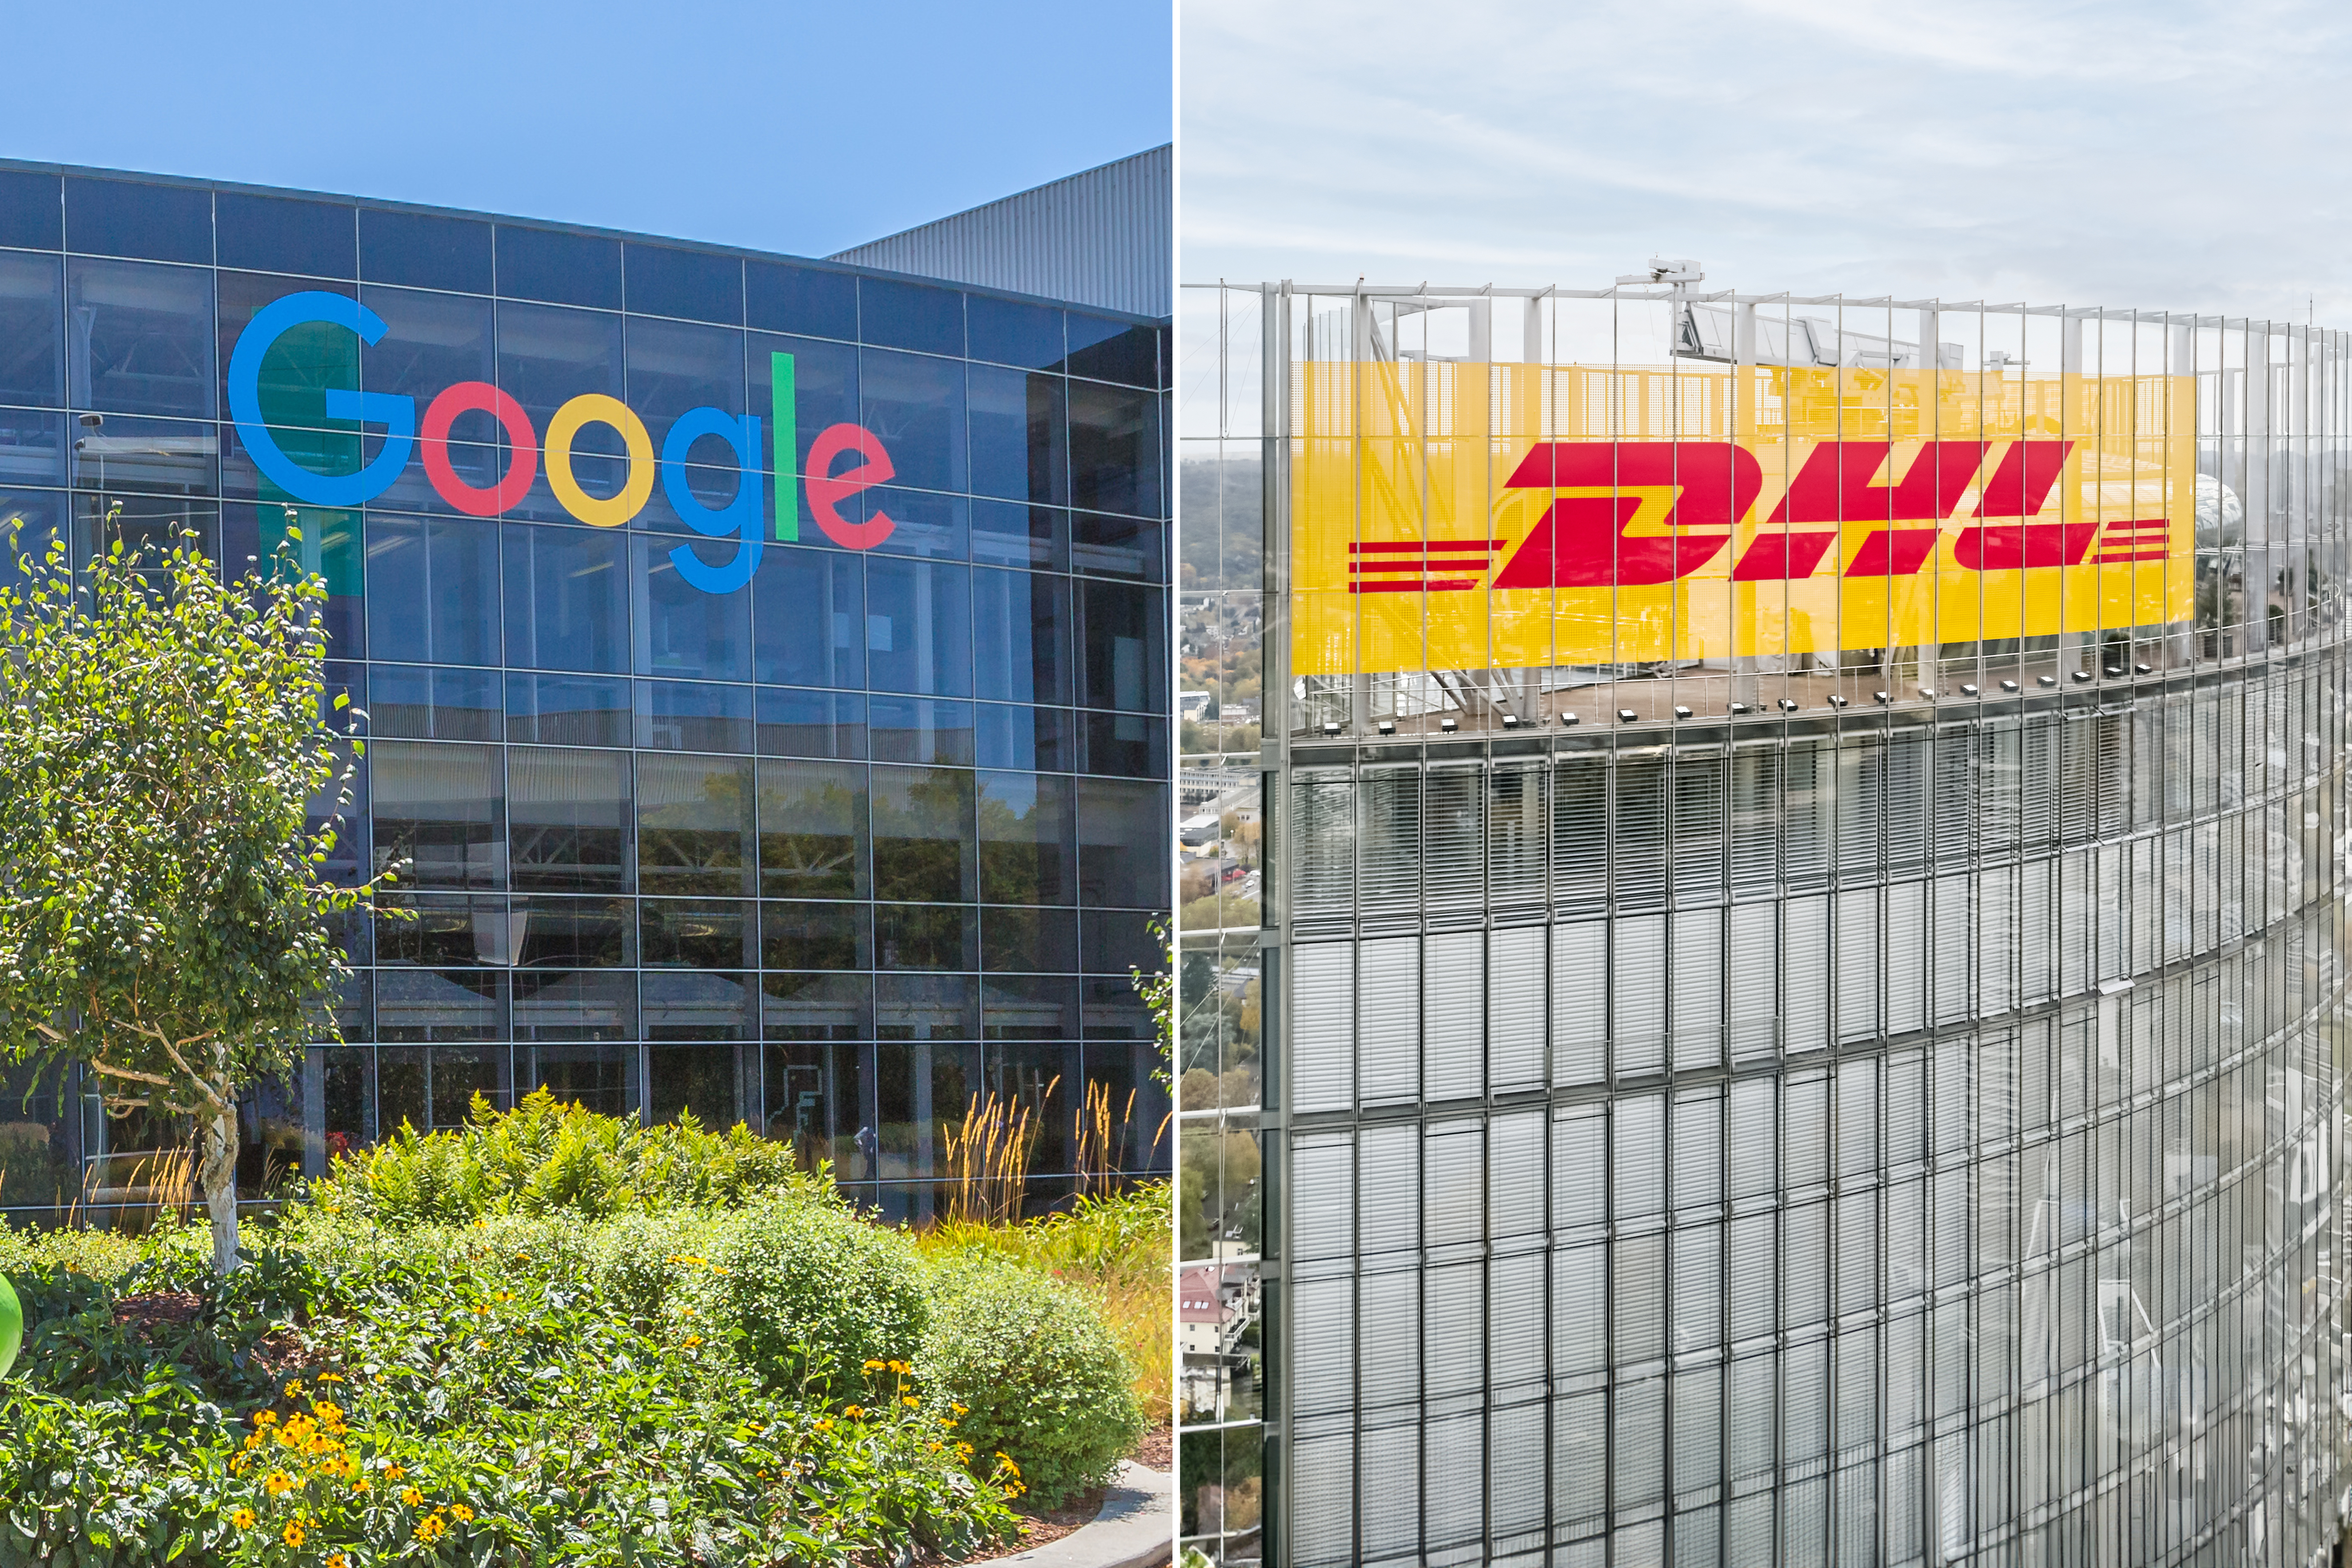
<point>1789,1000</point>
<point>880,831</point>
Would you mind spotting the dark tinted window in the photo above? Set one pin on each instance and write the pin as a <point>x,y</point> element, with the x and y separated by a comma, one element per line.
<point>916,405</point>
<point>162,223</point>
<point>690,283</point>
<point>567,598</point>
<point>433,590</point>
<point>825,389</point>
<point>271,234</point>
<point>1126,648</point>
<point>919,626</point>
<point>430,343</point>
<point>1028,840</point>
<point>1020,623</point>
<point>809,618</point>
<point>424,251</point>
<point>560,269</point>
<point>32,319</point>
<point>1117,546</point>
<point>1019,446</point>
<point>573,815</point>
<point>801,299</point>
<point>547,356</point>
<point>813,829</point>
<point>142,340</point>
<point>440,813</point>
<point>923,846</point>
<point>910,316</point>
<point>1012,333</point>
<point>683,631</point>
<point>674,367</point>
<point>1114,450</point>
<point>30,211</point>
<point>1114,351</point>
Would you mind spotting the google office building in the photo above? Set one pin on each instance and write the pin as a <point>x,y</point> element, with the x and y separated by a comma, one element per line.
<point>764,660</point>
<point>1792,1005</point>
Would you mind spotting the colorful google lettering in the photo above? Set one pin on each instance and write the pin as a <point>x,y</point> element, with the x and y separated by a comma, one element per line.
<point>402,433</point>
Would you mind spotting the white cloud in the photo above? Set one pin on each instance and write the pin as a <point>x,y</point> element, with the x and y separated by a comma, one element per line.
<point>2177,157</point>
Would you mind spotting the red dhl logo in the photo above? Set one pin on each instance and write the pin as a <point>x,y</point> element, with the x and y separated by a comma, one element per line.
<point>1584,541</point>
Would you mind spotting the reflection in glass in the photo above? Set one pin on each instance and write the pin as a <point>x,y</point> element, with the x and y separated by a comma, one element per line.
<point>923,846</point>
<point>139,339</point>
<point>694,825</point>
<point>813,829</point>
<point>439,814</point>
<point>432,588</point>
<point>572,819</point>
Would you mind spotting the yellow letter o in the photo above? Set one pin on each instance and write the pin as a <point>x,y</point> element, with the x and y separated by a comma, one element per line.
<point>593,409</point>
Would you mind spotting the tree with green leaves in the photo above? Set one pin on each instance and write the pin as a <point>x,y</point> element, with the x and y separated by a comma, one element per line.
<point>165,917</point>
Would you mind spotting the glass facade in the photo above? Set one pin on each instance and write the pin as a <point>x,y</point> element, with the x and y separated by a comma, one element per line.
<point>1708,1040</point>
<point>831,846</point>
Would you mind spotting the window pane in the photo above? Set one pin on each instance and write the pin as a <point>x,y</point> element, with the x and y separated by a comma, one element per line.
<point>602,1079</point>
<point>560,269</point>
<point>1114,450</point>
<point>424,250</point>
<point>1118,546</point>
<point>275,234</point>
<point>697,1079</point>
<point>423,702</point>
<point>674,367</point>
<point>926,936</point>
<point>432,589</point>
<point>1127,745</point>
<point>916,405</point>
<point>1043,941</point>
<point>441,930</point>
<point>569,709</point>
<point>923,848</point>
<point>32,325</point>
<point>571,818</point>
<point>1025,738</point>
<point>809,618</point>
<point>1123,843</point>
<point>813,829</point>
<point>1027,839</point>
<point>811,724</point>
<point>117,217</point>
<point>430,343</point>
<point>801,299</point>
<point>141,341</point>
<point>439,814</point>
<point>825,394</point>
<point>803,935</point>
<point>567,604</point>
<point>920,730</point>
<point>1019,446</point>
<point>1005,535</point>
<point>548,356</point>
<point>910,316</point>
<point>1113,350</point>
<point>824,1007</point>
<point>699,933</point>
<point>696,284</point>
<point>1021,624</point>
<point>919,626</point>
<point>695,1004</point>
<point>1125,637</point>
<point>925,1007</point>
<point>575,933</point>
<point>437,1004</point>
<point>681,630</point>
<point>694,825</point>
<point>1010,333</point>
<point>1030,1007</point>
<point>31,212</point>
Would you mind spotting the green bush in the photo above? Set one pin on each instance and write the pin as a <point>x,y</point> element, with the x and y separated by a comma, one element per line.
<point>1040,1374</point>
<point>546,1157</point>
<point>809,1295</point>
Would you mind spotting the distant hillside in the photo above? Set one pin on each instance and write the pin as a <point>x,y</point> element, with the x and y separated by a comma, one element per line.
<point>1219,523</point>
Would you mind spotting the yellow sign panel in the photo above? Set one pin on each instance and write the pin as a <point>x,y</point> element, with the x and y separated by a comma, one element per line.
<point>1474,516</point>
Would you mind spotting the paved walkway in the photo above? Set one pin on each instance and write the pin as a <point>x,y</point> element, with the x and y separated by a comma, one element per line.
<point>1136,1528</point>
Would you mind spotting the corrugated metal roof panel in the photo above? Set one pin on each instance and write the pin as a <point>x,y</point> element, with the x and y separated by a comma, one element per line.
<point>1103,237</point>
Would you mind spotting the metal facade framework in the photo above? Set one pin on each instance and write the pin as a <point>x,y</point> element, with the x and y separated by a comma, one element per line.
<point>1103,236</point>
<point>1873,1104</point>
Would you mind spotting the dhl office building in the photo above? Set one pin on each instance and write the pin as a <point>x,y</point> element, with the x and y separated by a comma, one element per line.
<point>1795,1008</point>
<point>764,660</point>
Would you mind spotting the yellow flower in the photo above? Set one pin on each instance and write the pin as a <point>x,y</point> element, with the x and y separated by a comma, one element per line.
<point>293,1532</point>
<point>337,1560</point>
<point>278,1483</point>
<point>294,1389</point>
<point>824,1425</point>
<point>327,1410</point>
<point>874,1366</point>
<point>431,1527</point>
<point>461,1513</point>
<point>328,1377</point>
<point>265,1418</point>
<point>854,1413</point>
<point>242,1519</point>
<point>392,1472</point>
<point>363,1485</point>
<point>909,1400</point>
<point>410,1496</point>
<point>959,1409</point>
<point>692,1341</point>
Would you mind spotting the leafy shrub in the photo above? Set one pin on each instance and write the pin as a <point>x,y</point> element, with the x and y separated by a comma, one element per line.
<point>1041,1375</point>
<point>808,1295</point>
<point>547,1157</point>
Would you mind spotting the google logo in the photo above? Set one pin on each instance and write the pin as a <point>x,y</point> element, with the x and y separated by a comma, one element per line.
<point>403,432</point>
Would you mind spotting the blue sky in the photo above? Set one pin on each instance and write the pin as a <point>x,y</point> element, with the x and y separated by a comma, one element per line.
<point>2164,156</point>
<point>787,127</point>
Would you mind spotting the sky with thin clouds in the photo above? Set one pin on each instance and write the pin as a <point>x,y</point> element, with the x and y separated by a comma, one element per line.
<point>2180,157</point>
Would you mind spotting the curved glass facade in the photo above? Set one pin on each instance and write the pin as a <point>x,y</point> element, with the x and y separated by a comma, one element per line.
<point>1806,1030</point>
<point>820,784</point>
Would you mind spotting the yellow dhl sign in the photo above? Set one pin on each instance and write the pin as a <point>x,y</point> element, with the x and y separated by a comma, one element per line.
<point>1451,516</point>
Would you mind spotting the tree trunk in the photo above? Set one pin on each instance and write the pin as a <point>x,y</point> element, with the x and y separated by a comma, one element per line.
<point>219,1176</point>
